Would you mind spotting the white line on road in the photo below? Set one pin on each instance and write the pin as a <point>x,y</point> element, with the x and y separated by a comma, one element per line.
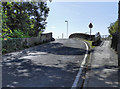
<point>80,70</point>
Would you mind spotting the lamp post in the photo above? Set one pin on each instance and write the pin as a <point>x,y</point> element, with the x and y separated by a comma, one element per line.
<point>67,27</point>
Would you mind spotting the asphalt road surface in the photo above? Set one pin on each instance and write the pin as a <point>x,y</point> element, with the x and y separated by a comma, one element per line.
<point>53,64</point>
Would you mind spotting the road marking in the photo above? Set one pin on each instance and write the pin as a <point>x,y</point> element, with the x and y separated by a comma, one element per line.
<point>81,69</point>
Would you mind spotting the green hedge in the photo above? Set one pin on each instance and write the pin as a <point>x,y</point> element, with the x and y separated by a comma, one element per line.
<point>10,45</point>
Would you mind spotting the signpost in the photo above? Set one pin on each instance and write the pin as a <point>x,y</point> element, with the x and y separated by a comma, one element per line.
<point>90,26</point>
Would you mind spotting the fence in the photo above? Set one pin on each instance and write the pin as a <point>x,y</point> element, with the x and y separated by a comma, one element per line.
<point>14,44</point>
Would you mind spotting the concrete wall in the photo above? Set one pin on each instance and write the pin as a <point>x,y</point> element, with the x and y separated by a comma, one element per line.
<point>82,36</point>
<point>19,43</point>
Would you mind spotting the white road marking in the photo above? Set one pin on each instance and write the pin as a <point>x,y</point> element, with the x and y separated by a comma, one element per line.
<point>80,70</point>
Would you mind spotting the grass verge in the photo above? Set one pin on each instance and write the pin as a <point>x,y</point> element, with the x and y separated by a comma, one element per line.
<point>90,42</point>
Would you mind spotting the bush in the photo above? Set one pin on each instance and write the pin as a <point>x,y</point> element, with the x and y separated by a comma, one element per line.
<point>12,44</point>
<point>4,50</point>
<point>113,28</point>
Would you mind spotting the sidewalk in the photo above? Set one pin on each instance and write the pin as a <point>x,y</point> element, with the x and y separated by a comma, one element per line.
<point>104,68</point>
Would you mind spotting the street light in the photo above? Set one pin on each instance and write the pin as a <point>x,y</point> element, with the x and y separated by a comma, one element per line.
<point>67,27</point>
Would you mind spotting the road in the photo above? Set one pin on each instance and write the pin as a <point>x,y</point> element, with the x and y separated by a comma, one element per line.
<point>53,64</point>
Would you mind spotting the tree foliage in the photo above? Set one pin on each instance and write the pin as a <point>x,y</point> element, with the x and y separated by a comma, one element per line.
<point>113,27</point>
<point>23,19</point>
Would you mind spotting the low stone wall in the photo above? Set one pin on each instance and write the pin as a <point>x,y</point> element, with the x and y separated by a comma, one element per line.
<point>15,44</point>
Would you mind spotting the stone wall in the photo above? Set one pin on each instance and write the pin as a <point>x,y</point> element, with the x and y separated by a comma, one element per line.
<point>15,44</point>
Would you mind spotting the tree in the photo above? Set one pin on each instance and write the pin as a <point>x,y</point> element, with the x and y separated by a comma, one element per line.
<point>27,18</point>
<point>113,28</point>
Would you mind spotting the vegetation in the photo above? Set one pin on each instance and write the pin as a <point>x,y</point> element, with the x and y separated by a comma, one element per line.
<point>23,19</point>
<point>90,42</point>
<point>113,27</point>
<point>11,44</point>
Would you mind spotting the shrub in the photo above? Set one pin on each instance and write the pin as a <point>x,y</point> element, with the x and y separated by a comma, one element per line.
<point>12,44</point>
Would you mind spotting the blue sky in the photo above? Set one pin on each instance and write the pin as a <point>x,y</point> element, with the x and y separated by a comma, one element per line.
<point>79,15</point>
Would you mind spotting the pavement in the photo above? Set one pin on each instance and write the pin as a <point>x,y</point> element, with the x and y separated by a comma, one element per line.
<point>53,64</point>
<point>103,72</point>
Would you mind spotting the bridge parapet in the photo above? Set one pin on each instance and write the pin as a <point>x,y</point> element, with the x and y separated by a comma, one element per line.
<point>97,39</point>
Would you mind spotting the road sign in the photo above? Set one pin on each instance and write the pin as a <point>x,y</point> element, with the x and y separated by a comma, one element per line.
<point>90,25</point>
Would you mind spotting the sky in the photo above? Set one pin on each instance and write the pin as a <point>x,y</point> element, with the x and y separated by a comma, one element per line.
<point>79,15</point>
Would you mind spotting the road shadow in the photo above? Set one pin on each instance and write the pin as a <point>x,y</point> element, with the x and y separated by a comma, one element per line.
<point>60,49</point>
<point>50,48</point>
<point>24,73</point>
<point>105,77</point>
